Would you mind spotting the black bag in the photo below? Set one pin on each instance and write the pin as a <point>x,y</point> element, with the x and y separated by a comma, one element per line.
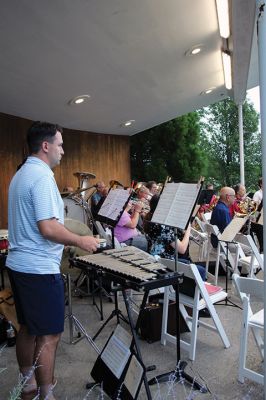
<point>151,319</point>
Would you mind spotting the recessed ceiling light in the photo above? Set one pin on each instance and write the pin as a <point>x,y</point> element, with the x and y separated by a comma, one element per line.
<point>79,99</point>
<point>208,91</point>
<point>194,50</point>
<point>128,123</point>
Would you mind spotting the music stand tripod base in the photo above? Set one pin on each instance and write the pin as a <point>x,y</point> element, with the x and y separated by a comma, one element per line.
<point>179,372</point>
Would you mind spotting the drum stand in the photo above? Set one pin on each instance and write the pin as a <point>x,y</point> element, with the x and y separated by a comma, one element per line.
<point>72,320</point>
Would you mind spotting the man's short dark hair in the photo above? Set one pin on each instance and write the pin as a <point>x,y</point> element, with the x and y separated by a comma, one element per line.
<point>260,182</point>
<point>40,132</point>
<point>237,187</point>
<point>150,184</point>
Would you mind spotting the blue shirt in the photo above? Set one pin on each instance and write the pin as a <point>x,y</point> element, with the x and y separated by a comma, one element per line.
<point>33,196</point>
<point>220,217</point>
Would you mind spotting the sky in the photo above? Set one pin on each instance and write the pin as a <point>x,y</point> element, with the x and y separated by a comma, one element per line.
<point>254,96</point>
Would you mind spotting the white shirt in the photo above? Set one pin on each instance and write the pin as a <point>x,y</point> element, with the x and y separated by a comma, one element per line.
<point>258,196</point>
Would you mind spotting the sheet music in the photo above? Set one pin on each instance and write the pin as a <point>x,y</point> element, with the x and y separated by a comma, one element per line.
<point>114,203</point>
<point>133,376</point>
<point>176,204</point>
<point>116,353</point>
<point>232,229</point>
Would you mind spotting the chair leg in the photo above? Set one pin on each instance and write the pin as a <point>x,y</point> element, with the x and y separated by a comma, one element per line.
<point>165,315</point>
<point>219,326</point>
<point>259,341</point>
<point>243,350</point>
<point>194,332</point>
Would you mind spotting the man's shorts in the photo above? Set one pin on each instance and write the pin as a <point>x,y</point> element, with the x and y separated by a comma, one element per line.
<point>39,301</point>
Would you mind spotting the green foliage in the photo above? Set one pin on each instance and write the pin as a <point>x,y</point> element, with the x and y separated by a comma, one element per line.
<point>220,140</point>
<point>170,149</point>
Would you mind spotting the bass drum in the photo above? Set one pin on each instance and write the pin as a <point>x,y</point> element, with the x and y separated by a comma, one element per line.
<point>74,209</point>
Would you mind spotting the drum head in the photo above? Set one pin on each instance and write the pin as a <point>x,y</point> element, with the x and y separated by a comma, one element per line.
<point>77,227</point>
<point>3,234</point>
<point>74,210</point>
<point>80,229</point>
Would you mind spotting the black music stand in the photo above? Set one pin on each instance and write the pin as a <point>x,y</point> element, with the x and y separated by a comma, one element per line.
<point>171,210</point>
<point>227,237</point>
<point>180,365</point>
<point>228,302</point>
<point>115,313</point>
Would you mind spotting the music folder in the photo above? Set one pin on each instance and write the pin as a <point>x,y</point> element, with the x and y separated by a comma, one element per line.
<point>113,206</point>
<point>118,368</point>
<point>176,204</point>
<point>232,229</point>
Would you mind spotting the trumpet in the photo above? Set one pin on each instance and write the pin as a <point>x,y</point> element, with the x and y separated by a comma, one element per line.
<point>145,207</point>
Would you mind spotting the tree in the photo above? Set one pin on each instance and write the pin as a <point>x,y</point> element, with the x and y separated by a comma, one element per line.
<point>220,139</point>
<point>171,149</point>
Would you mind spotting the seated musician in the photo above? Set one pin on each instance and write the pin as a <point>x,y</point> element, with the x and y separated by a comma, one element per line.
<point>142,195</point>
<point>161,239</point>
<point>208,200</point>
<point>256,228</point>
<point>126,230</point>
<point>221,216</point>
<point>100,194</point>
<point>152,186</point>
<point>259,194</point>
<point>240,192</point>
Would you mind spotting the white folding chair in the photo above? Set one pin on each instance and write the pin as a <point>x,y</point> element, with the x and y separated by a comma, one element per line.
<point>200,300</point>
<point>253,262</point>
<point>201,240</point>
<point>250,290</point>
<point>207,216</point>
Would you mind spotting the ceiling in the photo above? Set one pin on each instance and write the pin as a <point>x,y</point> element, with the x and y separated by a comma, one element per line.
<point>128,55</point>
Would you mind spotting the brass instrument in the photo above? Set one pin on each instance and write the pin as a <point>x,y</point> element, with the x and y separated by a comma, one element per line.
<point>143,203</point>
<point>247,207</point>
<point>115,184</point>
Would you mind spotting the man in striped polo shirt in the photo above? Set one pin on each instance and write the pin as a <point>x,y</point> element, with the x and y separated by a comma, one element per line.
<point>37,236</point>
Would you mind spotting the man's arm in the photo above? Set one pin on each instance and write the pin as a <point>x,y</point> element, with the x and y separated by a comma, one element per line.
<point>53,230</point>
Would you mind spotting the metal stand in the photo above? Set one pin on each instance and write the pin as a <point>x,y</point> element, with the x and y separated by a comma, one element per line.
<point>95,287</point>
<point>73,321</point>
<point>135,339</point>
<point>179,371</point>
<point>227,302</point>
<point>115,313</point>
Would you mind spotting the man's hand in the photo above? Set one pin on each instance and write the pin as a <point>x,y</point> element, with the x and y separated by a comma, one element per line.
<point>53,230</point>
<point>88,243</point>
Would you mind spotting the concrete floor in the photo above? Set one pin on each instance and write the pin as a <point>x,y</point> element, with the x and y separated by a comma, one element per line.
<point>216,366</point>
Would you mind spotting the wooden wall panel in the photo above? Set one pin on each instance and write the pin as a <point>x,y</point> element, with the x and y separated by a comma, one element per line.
<point>106,156</point>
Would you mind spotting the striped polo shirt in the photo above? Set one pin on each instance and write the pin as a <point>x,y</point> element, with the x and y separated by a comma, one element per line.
<point>33,196</point>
